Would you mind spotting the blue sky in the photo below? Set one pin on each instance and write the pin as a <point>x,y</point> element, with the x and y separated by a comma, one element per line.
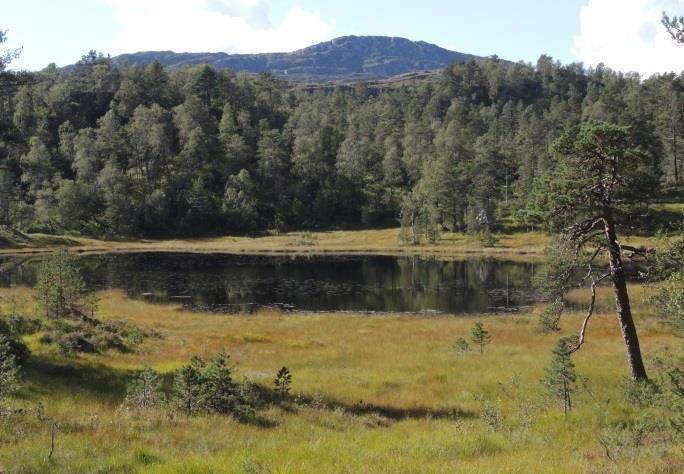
<point>569,30</point>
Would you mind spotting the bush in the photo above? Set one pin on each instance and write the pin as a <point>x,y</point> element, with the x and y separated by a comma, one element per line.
<point>144,390</point>
<point>19,351</point>
<point>9,369</point>
<point>210,388</point>
<point>17,325</point>
<point>669,301</point>
<point>492,416</point>
<point>461,346</point>
<point>94,336</point>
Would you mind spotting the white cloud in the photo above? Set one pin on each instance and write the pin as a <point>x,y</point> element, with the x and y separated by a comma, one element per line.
<point>627,35</point>
<point>233,26</point>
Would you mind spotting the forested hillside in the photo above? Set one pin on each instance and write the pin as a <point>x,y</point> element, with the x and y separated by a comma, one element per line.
<point>106,150</point>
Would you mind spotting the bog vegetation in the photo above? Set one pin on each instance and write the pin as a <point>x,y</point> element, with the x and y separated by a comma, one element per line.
<point>108,150</point>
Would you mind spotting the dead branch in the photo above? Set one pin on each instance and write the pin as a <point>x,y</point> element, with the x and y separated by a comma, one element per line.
<point>53,430</point>
<point>590,312</point>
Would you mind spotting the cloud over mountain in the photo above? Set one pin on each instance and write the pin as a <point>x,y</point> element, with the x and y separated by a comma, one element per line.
<point>233,26</point>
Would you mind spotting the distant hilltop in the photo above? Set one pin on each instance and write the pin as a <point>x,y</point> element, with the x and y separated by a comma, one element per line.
<point>344,58</point>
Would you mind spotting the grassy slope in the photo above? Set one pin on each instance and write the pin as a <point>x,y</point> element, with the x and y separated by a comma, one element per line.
<point>13,240</point>
<point>402,367</point>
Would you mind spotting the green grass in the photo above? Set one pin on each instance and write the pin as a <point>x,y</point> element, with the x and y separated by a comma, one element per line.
<point>12,239</point>
<point>376,394</point>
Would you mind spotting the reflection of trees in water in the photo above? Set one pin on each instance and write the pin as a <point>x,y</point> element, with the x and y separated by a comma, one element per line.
<point>317,283</point>
<point>17,270</point>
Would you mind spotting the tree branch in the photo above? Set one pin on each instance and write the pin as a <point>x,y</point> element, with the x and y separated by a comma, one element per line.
<point>590,312</point>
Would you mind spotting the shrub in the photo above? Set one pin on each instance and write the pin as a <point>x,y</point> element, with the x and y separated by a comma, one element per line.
<point>201,387</point>
<point>669,301</point>
<point>676,377</point>
<point>144,390</point>
<point>17,325</point>
<point>9,369</point>
<point>94,336</point>
<point>10,336</point>
<point>461,346</point>
<point>491,415</point>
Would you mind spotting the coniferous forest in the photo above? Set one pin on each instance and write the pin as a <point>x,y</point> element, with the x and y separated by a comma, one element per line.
<point>473,269</point>
<point>108,150</point>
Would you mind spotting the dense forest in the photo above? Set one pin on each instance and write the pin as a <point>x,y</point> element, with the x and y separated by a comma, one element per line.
<point>106,150</point>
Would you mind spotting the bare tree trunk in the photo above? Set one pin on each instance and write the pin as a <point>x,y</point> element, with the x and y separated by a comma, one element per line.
<point>622,306</point>
<point>674,153</point>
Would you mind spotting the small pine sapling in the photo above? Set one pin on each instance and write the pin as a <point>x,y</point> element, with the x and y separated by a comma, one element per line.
<point>461,346</point>
<point>144,390</point>
<point>282,382</point>
<point>480,336</point>
<point>560,376</point>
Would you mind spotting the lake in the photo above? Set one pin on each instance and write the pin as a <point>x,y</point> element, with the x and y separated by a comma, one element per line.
<point>237,283</point>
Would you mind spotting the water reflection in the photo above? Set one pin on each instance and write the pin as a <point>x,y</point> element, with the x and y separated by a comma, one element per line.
<point>322,283</point>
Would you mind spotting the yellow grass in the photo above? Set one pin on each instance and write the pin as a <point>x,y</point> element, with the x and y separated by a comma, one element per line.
<point>402,367</point>
<point>381,242</point>
<point>525,246</point>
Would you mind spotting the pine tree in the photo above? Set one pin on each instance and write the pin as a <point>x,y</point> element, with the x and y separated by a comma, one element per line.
<point>60,288</point>
<point>480,336</point>
<point>220,392</point>
<point>282,382</point>
<point>144,390</point>
<point>187,387</point>
<point>560,375</point>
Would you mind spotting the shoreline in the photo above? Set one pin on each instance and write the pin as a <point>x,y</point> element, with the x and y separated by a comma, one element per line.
<point>343,243</point>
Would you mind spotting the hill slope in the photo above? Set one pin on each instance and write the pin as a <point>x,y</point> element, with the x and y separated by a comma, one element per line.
<point>348,57</point>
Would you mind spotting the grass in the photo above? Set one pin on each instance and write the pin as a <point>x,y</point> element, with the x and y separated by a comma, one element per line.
<point>515,246</point>
<point>378,394</point>
<point>381,242</point>
<point>525,246</point>
<point>14,240</point>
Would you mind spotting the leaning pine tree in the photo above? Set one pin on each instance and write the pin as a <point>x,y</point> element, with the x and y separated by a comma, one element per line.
<point>601,185</point>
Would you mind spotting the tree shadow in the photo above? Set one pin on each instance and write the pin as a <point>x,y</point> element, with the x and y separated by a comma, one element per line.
<point>101,381</point>
<point>268,397</point>
<point>108,384</point>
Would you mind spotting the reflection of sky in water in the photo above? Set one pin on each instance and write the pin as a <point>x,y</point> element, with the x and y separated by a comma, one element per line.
<point>359,283</point>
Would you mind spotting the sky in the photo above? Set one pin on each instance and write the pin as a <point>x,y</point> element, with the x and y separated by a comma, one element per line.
<point>625,35</point>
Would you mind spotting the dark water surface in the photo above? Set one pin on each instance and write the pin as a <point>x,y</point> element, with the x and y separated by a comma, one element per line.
<point>234,283</point>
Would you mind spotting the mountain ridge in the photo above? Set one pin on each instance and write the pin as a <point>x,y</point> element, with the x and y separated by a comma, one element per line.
<point>345,57</point>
